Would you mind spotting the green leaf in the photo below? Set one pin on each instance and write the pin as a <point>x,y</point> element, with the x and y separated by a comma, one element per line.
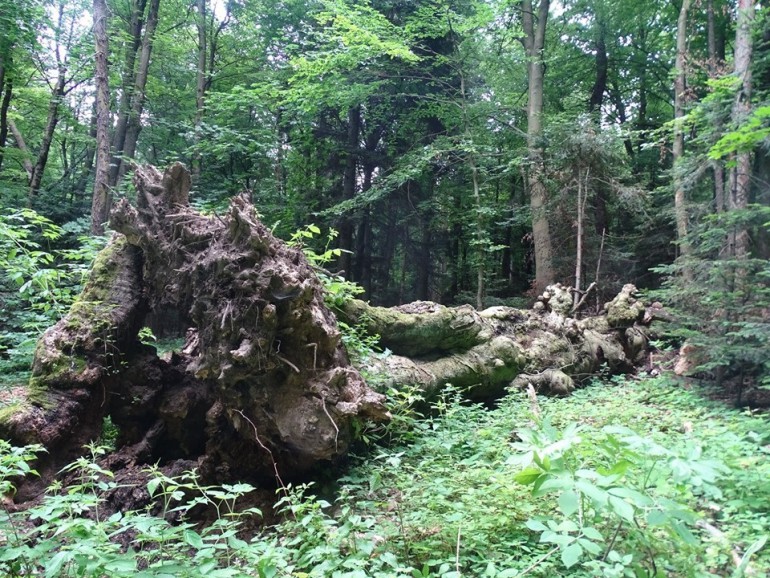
<point>750,551</point>
<point>590,547</point>
<point>127,565</point>
<point>592,534</point>
<point>527,476</point>
<point>622,508</point>
<point>193,539</point>
<point>55,564</point>
<point>536,525</point>
<point>569,502</point>
<point>598,496</point>
<point>571,555</point>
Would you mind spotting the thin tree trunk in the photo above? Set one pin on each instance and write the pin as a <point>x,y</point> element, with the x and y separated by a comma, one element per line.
<point>5,103</point>
<point>480,231</point>
<point>22,146</point>
<point>90,155</point>
<point>534,42</point>
<point>128,82</point>
<point>100,207</point>
<point>602,64</point>
<point>581,205</point>
<point>713,70</point>
<point>200,92</point>
<point>45,146</point>
<point>680,87</point>
<point>740,175</point>
<point>134,125</point>
<point>595,106</point>
<point>349,180</point>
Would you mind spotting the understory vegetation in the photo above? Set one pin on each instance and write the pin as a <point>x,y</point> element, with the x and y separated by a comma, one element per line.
<point>627,477</point>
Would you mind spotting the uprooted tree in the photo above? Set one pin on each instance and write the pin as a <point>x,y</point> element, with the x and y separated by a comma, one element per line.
<point>263,386</point>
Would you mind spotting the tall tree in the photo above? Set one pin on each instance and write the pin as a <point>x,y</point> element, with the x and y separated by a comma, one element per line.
<point>65,36</point>
<point>200,88</point>
<point>142,35</point>
<point>680,89</point>
<point>714,65</point>
<point>534,26</point>
<point>100,206</point>
<point>740,174</point>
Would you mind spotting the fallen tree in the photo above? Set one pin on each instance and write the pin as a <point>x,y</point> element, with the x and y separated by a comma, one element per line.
<point>263,387</point>
<point>486,352</point>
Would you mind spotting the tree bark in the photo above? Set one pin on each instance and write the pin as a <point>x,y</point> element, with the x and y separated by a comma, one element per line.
<point>38,169</point>
<point>714,65</point>
<point>680,87</point>
<point>7,90</point>
<point>349,185</point>
<point>534,42</point>
<point>138,95</point>
<point>128,81</point>
<point>100,205</point>
<point>22,146</point>
<point>740,174</point>
<point>483,353</point>
<point>200,91</point>
<point>263,386</point>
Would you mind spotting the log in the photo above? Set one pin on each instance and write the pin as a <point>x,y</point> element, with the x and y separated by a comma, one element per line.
<point>485,353</point>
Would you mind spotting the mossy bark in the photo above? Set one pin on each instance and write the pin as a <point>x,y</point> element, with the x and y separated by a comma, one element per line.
<point>486,352</point>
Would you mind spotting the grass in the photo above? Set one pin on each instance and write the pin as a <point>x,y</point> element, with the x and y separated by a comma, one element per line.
<point>446,497</point>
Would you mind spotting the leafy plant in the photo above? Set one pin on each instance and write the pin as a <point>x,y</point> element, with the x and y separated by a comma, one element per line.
<point>337,288</point>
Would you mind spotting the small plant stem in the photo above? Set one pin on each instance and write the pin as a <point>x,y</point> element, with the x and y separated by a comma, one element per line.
<point>17,538</point>
<point>457,551</point>
<point>537,562</point>
<point>612,542</point>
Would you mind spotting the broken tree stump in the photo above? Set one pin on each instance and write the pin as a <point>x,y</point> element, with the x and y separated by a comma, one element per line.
<point>263,386</point>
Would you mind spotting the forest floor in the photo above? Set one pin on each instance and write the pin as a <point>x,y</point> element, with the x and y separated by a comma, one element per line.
<point>626,477</point>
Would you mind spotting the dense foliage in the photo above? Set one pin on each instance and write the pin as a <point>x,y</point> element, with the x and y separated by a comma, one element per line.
<point>625,478</point>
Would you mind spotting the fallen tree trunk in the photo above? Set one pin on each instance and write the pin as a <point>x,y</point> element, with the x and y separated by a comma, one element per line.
<point>486,352</point>
<point>263,387</point>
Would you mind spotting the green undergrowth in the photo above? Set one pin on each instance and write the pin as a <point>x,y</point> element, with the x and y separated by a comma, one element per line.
<point>624,478</point>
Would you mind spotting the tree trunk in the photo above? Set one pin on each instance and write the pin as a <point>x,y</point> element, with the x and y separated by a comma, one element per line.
<point>534,42</point>
<point>349,184</point>
<point>22,146</point>
<point>200,91</point>
<point>88,161</point>
<point>138,95</point>
<point>602,64</point>
<point>680,87</point>
<point>595,106</point>
<point>127,86</point>
<point>714,65</point>
<point>45,145</point>
<point>263,388</point>
<point>582,196</point>
<point>483,353</point>
<point>740,174</point>
<point>7,90</point>
<point>100,206</point>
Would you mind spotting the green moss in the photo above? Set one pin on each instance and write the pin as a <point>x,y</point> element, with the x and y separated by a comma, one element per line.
<point>90,312</point>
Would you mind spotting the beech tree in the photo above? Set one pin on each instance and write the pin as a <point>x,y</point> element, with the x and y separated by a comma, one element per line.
<point>534,25</point>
